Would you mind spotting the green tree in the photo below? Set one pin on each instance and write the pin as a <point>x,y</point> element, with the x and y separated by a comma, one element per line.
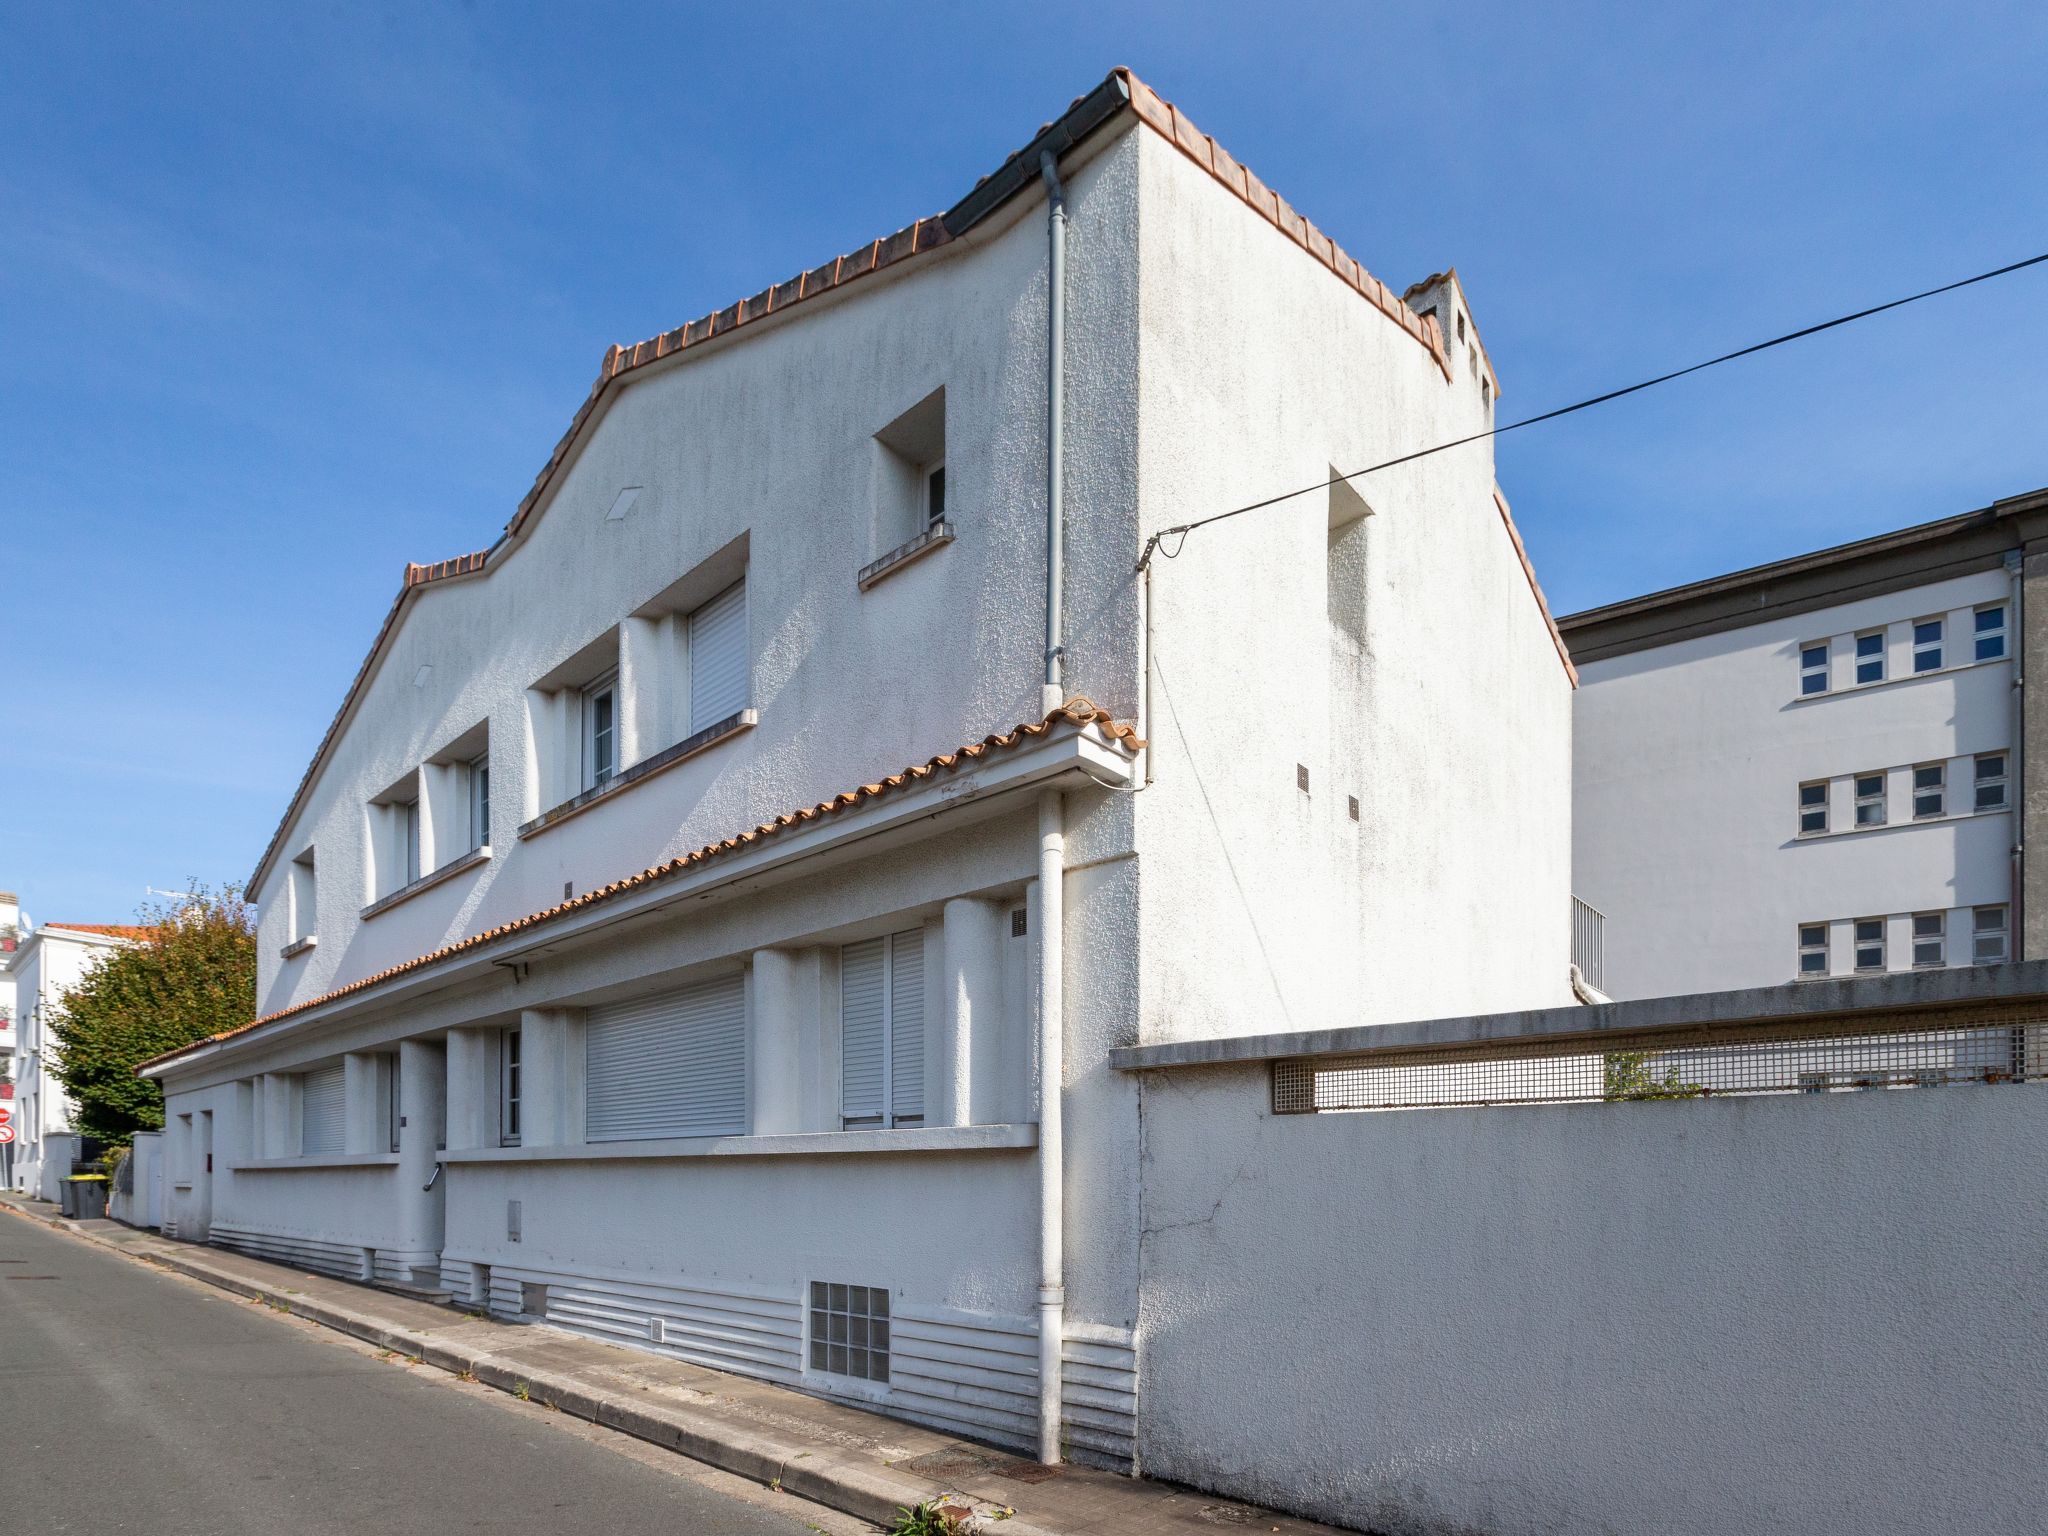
<point>194,975</point>
<point>1633,1075</point>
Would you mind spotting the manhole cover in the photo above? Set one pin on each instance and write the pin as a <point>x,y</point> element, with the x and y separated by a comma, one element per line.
<point>1029,1472</point>
<point>949,1461</point>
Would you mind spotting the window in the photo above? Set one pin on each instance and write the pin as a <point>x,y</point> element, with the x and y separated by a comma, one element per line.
<point>1930,940</point>
<point>1869,943</point>
<point>1927,645</point>
<point>935,494</point>
<point>601,730</point>
<point>480,802</point>
<point>718,659</point>
<point>1988,941</point>
<point>1813,949</point>
<point>1813,668</point>
<point>1930,790</point>
<point>1813,808</point>
<point>304,898</point>
<point>1870,799</point>
<point>508,1088</point>
<point>911,493</point>
<point>1991,782</point>
<point>394,1116</point>
<point>322,1093</point>
<point>881,1022</point>
<point>1991,633</point>
<point>1870,657</point>
<point>850,1330</point>
<point>674,1064</point>
<point>408,814</point>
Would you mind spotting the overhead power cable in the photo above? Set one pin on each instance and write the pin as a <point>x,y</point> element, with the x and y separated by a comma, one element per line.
<point>1179,532</point>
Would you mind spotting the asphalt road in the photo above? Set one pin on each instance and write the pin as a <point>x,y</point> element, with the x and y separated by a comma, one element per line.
<point>136,1401</point>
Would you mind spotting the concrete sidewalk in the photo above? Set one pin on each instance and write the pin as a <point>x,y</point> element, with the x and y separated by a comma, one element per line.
<point>862,1463</point>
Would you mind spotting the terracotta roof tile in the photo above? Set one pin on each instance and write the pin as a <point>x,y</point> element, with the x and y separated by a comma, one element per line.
<point>107,930</point>
<point>1076,711</point>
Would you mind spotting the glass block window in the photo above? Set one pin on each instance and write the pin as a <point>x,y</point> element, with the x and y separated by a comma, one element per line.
<point>850,1330</point>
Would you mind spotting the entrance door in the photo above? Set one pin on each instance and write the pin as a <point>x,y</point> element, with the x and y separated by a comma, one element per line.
<point>202,1178</point>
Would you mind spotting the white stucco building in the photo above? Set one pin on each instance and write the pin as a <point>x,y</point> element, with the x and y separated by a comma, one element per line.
<point>1817,767</point>
<point>50,959</point>
<point>678,936</point>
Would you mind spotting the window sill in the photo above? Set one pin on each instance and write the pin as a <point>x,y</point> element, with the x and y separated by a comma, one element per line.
<point>298,947</point>
<point>1850,689</point>
<point>937,1138</point>
<point>646,768</point>
<point>447,871</point>
<point>318,1160</point>
<point>938,536</point>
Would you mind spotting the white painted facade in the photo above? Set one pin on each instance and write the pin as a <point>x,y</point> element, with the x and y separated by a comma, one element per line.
<point>50,961</point>
<point>1745,816</point>
<point>1379,753</point>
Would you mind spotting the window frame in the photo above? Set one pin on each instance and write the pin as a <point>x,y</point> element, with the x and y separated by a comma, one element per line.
<point>1858,944</point>
<point>1938,790</point>
<point>1930,928</point>
<point>1813,672</point>
<point>888,1119</point>
<point>1819,948</point>
<point>511,1087</point>
<point>828,1300</point>
<point>2001,932</point>
<point>1996,634</point>
<point>1876,800</point>
<point>1813,808</point>
<point>394,1108</point>
<point>602,689</point>
<point>477,774</point>
<point>935,472</point>
<point>1873,658</point>
<point>1999,782</point>
<point>1923,648</point>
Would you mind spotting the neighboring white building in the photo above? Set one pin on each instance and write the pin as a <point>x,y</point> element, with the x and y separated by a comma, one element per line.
<point>1814,768</point>
<point>10,1034</point>
<point>616,969</point>
<point>51,959</point>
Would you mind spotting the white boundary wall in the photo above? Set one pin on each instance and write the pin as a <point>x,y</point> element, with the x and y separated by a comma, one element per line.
<point>1814,1314</point>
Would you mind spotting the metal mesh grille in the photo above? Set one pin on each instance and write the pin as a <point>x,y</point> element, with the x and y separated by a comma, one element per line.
<point>1843,1054</point>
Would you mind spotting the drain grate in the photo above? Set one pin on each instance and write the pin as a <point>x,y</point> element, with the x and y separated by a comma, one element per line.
<point>950,1461</point>
<point>27,1277</point>
<point>1029,1472</point>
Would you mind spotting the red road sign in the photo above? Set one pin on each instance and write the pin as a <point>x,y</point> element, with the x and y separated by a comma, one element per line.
<point>6,1113</point>
<point>6,1134</point>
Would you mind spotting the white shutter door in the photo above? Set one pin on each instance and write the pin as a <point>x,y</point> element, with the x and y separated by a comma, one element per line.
<point>862,1007</point>
<point>718,658</point>
<point>673,1065</point>
<point>321,1095</point>
<point>906,1026</point>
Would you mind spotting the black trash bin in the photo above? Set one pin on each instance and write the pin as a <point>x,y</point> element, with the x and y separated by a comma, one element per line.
<point>85,1196</point>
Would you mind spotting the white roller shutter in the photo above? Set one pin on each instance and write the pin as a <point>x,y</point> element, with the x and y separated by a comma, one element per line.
<point>672,1065</point>
<point>718,658</point>
<point>322,1095</point>
<point>863,1010</point>
<point>881,1030</point>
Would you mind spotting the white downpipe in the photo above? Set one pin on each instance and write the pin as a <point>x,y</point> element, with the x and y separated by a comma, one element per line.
<point>1052,849</point>
<point>1052,1205</point>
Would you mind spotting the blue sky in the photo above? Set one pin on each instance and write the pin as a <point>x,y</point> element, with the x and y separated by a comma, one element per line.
<point>290,295</point>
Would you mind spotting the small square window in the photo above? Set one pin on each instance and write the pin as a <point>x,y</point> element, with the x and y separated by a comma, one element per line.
<point>1991,782</point>
<point>1990,633</point>
<point>1870,800</point>
<point>1930,940</point>
<point>1989,944</point>
<point>850,1330</point>
<point>1870,657</point>
<point>1869,943</point>
<point>1930,790</point>
<point>1813,949</point>
<point>1813,808</point>
<point>1813,668</point>
<point>1927,645</point>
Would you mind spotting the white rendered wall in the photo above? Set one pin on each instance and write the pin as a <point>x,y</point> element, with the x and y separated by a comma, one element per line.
<point>1686,778</point>
<point>1766,1314</point>
<point>1266,908</point>
<point>48,965</point>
